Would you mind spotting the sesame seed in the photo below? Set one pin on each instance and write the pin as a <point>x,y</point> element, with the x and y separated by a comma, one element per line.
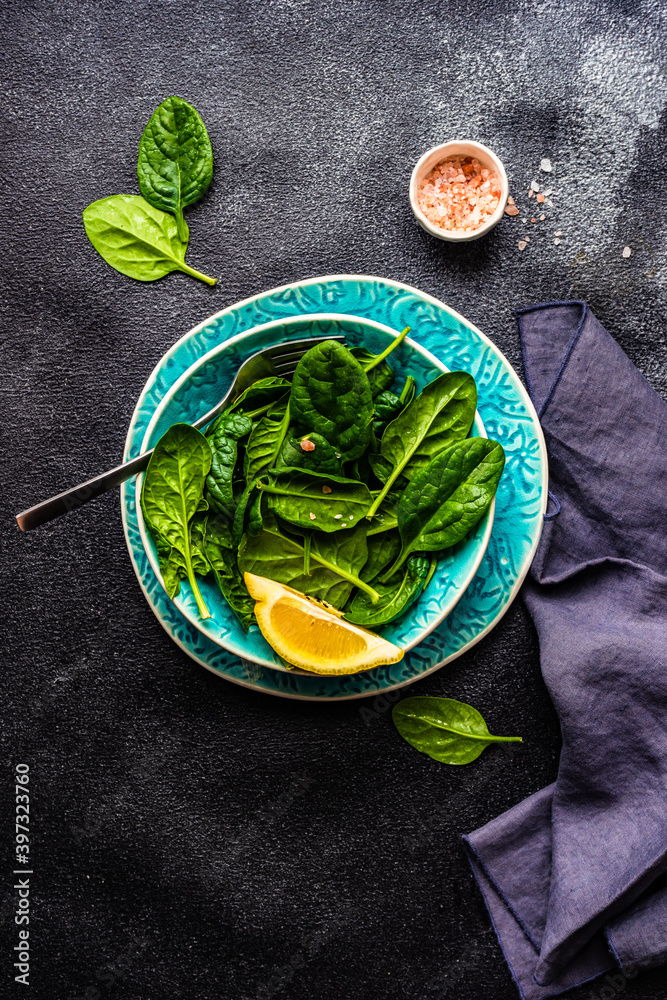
<point>337,517</point>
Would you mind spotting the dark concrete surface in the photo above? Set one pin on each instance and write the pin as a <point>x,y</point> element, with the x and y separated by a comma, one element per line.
<point>191,838</point>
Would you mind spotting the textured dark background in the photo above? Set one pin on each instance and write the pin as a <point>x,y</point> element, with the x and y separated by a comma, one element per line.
<point>194,839</point>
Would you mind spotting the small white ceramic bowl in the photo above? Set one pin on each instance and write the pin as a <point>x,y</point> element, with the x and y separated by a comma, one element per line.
<point>458,147</point>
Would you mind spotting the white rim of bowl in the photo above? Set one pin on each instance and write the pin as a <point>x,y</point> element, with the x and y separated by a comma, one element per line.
<point>442,151</point>
<point>204,359</point>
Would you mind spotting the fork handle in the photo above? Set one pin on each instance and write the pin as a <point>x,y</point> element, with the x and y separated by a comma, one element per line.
<point>82,494</point>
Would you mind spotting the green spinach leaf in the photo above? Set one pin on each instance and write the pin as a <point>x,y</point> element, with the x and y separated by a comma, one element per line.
<point>171,496</point>
<point>396,596</point>
<point>264,443</point>
<point>221,555</point>
<point>224,437</point>
<point>334,565</point>
<point>443,412</point>
<point>265,393</point>
<point>447,730</point>
<point>383,548</point>
<point>321,459</point>
<point>175,159</point>
<point>310,500</point>
<point>137,239</point>
<point>380,377</point>
<point>331,396</point>
<point>444,501</point>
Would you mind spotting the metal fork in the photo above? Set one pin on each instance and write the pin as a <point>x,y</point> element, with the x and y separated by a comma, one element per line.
<point>280,360</point>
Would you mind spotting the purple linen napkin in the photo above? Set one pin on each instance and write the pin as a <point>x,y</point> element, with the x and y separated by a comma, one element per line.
<point>574,876</point>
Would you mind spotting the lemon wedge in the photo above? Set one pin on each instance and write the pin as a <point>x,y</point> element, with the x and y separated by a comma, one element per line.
<point>312,634</point>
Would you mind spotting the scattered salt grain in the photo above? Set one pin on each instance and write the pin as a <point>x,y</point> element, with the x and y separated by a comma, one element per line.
<point>559,233</point>
<point>307,445</point>
<point>510,200</point>
<point>542,217</point>
<point>531,193</point>
<point>343,525</point>
<point>626,252</point>
<point>545,165</point>
<point>311,516</point>
<point>522,244</point>
<point>540,198</point>
<point>459,193</point>
<point>524,221</point>
<point>547,193</point>
<point>511,210</point>
<point>550,203</point>
<point>534,186</point>
<point>533,220</point>
<point>527,239</point>
<point>557,242</point>
<point>326,489</point>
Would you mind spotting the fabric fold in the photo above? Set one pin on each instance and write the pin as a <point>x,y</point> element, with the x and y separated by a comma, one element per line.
<point>574,876</point>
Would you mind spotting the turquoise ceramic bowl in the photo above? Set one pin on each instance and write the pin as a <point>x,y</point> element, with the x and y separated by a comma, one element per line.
<point>202,386</point>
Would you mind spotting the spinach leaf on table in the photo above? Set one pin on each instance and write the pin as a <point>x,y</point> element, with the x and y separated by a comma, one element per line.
<point>171,496</point>
<point>396,595</point>
<point>175,164</point>
<point>310,500</point>
<point>447,730</point>
<point>335,561</point>
<point>221,555</point>
<point>443,412</point>
<point>137,239</point>
<point>331,396</point>
<point>444,501</point>
<point>224,436</point>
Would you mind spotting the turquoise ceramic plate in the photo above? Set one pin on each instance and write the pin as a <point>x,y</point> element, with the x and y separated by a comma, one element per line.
<point>508,416</point>
<point>200,388</point>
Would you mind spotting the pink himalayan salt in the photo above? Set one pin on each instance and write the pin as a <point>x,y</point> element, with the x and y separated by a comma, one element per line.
<point>459,193</point>
<point>307,445</point>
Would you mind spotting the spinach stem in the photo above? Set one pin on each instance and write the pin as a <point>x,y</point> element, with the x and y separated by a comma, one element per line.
<point>408,390</point>
<point>196,274</point>
<point>395,342</point>
<point>180,225</point>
